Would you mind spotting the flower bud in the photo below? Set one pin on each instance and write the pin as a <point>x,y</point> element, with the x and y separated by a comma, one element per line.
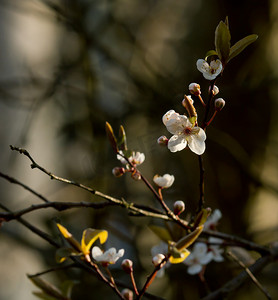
<point>215,90</point>
<point>162,140</point>
<point>127,294</point>
<point>219,103</point>
<point>118,171</point>
<point>136,176</point>
<point>127,265</point>
<point>178,207</point>
<point>157,259</point>
<point>195,89</point>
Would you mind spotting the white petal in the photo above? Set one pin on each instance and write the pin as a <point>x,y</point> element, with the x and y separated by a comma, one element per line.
<point>96,252</point>
<point>210,76</point>
<point>169,115</point>
<point>177,143</point>
<point>196,142</point>
<point>194,269</point>
<point>175,125</point>
<point>205,259</point>
<point>121,252</point>
<point>203,66</point>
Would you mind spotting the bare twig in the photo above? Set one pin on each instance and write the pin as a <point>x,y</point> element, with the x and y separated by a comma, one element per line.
<point>253,278</point>
<point>236,282</point>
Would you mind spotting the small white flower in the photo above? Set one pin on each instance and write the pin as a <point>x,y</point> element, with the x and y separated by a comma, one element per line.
<point>184,133</point>
<point>212,220</point>
<point>215,249</point>
<point>136,158</point>
<point>210,71</point>
<point>109,257</point>
<point>157,259</point>
<point>164,181</point>
<point>198,258</point>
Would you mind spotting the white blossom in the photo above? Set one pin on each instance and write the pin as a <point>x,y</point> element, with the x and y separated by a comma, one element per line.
<point>161,248</point>
<point>110,256</point>
<point>184,133</point>
<point>214,248</point>
<point>198,258</point>
<point>210,71</point>
<point>164,181</point>
<point>136,158</point>
<point>212,220</point>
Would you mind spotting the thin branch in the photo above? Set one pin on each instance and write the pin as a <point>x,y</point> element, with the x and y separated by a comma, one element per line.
<point>253,278</point>
<point>236,282</point>
<point>201,184</point>
<point>15,181</point>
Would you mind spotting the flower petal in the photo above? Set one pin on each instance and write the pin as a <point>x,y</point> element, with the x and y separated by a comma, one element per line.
<point>196,142</point>
<point>177,143</point>
<point>194,269</point>
<point>97,253</point>
<point>203,66</point>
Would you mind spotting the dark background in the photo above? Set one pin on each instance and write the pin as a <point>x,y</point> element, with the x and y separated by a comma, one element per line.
<point>69,66</point>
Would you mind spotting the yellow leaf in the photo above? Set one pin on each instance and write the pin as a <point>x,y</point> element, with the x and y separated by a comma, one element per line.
<point>180,258</point>
<point>90,236</point>
<point>74,243</point>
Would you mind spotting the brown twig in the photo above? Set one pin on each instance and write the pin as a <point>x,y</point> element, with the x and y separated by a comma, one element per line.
<point>253,278</point>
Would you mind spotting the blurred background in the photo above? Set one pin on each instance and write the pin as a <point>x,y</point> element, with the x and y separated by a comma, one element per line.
<point>68,66</point>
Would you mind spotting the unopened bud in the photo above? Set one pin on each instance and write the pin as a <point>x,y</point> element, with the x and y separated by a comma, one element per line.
<point>179,207</point>
<point>136,176</point>
<point>157,259</point>
<point>215,90</point>
<point>187,103</point>
<point>162,140</point>
<point>118,171</point>
<point>127,294</point>
<point>219,103</point>
<point>127,265</point>
<point>195,89</point>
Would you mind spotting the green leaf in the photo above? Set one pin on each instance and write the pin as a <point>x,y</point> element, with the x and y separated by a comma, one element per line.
<point>202,217</point>
<point>111,137</point>
<point>90,236</point>
<point>48,288</point>
<point>222,41</point>
<point>187,240</point>
<point>211,53</point>
<point>161,232</point>
<point>43,296</point>
<point>65,252</point>
<point>241,45</point>
<point>122,145</point>
<point>67,286</point>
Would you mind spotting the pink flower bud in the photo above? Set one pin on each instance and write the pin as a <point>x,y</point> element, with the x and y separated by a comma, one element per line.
<point>178,207</point>
<point>127,265</point>
<point>136,176</point>
<point>195,89</point>
<point>162,140</point>
<point>157,259</point>
<point>127,294</point>
<point>219,104</point>
<point>118,171</point>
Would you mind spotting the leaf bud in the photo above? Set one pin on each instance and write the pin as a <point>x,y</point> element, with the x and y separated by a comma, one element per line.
<point>118,171</point>
<point>195,89</point>
<point>157,259</point>
<point>127,266</point>
<point>127,294</point>
<point>162,140</point>
<point>219,103</point>
<point>179,207</point>
<point>187,103</point>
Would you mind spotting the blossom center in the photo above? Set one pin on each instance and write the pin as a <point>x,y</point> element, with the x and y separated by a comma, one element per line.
<point>187,130</point>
